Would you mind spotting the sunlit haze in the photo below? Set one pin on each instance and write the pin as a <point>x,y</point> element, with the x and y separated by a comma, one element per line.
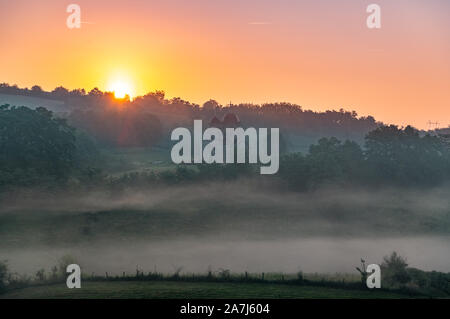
<point>318,54</point>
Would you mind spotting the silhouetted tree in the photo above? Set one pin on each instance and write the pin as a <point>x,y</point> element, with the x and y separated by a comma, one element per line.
<point>34,145</point>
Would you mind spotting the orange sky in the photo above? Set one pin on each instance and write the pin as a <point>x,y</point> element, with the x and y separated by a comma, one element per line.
<point>319,54</point>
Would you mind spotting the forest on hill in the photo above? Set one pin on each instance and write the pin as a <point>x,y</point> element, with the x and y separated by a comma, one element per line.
<point>300,127</point>
<point>40,149</point>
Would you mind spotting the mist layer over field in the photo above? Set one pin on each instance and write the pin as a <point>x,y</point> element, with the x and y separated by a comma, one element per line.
<point>239,226</point>
<point>318,254</point>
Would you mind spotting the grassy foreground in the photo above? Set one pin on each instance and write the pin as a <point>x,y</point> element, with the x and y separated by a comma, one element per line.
<point>172,289</point>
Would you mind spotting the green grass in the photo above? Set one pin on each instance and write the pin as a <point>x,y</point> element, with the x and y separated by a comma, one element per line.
<point>191,290</point>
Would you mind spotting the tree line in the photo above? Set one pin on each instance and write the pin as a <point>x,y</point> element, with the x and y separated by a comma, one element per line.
<point>390,156</point>
<point>291,118</point>
<point>39,148</point>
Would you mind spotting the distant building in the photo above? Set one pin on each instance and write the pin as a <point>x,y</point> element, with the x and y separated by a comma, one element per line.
<point>215,122</point>
<point>229,120</point>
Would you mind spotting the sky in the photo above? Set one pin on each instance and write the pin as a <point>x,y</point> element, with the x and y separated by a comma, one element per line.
<point>319,54</point>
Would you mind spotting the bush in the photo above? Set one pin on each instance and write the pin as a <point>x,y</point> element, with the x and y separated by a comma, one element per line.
<point>394,271</point>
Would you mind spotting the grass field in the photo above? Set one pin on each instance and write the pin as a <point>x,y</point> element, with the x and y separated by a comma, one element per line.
<point>190,290</point>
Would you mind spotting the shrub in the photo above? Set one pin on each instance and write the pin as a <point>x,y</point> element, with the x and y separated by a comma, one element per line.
<point>394,271</point>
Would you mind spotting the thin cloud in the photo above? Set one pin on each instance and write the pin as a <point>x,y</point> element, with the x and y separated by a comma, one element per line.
<point>260,23</point>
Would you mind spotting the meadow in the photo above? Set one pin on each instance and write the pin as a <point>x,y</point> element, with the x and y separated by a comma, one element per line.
<point>193,290</point>
<point>115,204</point>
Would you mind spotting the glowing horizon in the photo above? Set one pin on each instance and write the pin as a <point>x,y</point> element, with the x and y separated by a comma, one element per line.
<point>317,54</point>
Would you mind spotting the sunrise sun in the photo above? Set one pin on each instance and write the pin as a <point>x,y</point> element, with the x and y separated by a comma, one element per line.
<point>120,88</point>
